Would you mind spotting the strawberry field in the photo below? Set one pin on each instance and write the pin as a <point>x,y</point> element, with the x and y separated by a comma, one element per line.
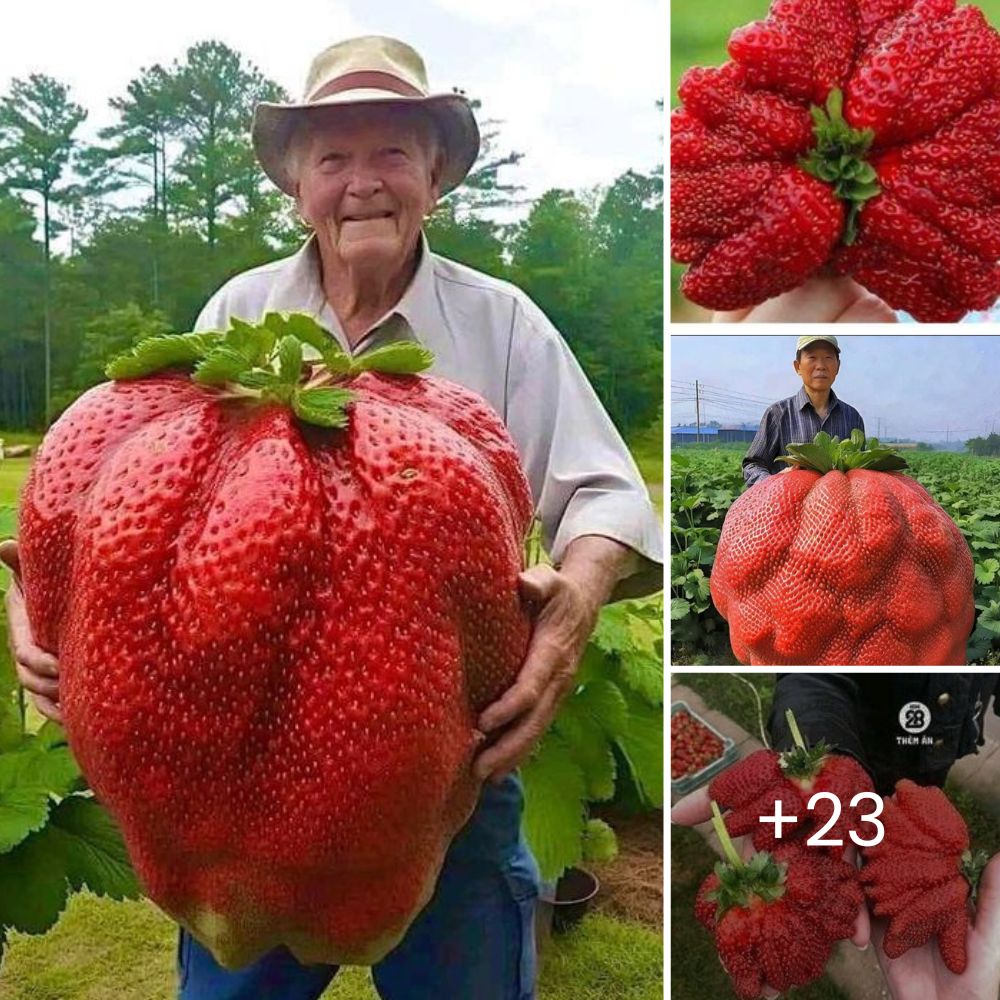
<point>705,481</point>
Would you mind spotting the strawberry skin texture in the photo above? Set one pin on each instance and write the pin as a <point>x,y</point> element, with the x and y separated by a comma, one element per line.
<point>752,787</point>
<point>855,568</point>
<point>274,642</point>
<point>786,942</point>
<point>914,876</point>
<point>924,77</point>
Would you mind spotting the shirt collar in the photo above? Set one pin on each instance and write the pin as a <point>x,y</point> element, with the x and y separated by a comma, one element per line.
<point>802,399</point>
<point>417,314</point>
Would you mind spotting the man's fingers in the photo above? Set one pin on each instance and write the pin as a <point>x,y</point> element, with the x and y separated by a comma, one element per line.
<point>987,921</point>
<point>32,682</point>
<point>9,556</point>
<point>537,584</point>
<point>515,745</point>
<point>694,808</point>
<point>525,692</point>
<point>47,707</point>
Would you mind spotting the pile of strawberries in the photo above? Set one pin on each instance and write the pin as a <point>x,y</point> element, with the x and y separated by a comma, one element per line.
<point>854,137</point>
<point>692,745</point>
<point>777,916</point>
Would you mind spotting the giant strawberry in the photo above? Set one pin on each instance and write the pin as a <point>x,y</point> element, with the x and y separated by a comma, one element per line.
<point>754,786</point>
<point>776,917</point>
<point>922,874</point>
<point>850,136</point>
<point>278,610</point>
<point>843,560</point>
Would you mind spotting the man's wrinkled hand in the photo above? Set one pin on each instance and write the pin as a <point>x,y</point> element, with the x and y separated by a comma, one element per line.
<point>564,618</point>
<point>37,671</point>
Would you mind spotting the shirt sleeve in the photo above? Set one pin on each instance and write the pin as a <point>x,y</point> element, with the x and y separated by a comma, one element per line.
<point>214,314</point>
<point>583,478</point>
<point>763,449</point>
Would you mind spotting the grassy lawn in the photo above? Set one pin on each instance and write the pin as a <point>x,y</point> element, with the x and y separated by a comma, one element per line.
<point>102,948</point>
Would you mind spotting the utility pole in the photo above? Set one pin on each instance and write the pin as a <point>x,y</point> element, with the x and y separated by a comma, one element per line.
<point>697,412</point>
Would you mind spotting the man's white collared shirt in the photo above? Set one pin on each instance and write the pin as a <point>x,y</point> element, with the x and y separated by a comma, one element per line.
<point>486,334</point>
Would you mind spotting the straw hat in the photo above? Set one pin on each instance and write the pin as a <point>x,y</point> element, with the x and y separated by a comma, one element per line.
<point>370,70</point>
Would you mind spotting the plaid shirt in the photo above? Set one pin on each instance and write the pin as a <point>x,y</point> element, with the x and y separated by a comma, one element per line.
<point>794,421</point>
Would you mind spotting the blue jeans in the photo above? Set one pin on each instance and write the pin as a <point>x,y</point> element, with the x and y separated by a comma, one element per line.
<point>473,941</point>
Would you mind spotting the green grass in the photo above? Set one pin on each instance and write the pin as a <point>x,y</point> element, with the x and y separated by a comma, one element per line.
<point>695,970</point>
<point>13,472</point>
<point>731,696</point>
<point>101,948</point>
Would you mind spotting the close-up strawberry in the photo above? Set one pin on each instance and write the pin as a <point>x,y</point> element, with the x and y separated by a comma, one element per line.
<point>843,560</point>
<point>922,874</point>
<point>776,917</point>
<point>847,137</point>
<point>752,787</point>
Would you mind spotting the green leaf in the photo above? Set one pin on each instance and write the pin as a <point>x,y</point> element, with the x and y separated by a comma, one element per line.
<point>165,351</point>
<point>254,342</point>
<point>310,332</point>
<point>290,359</point>
<point>259,379</point>
<point>679,608</point>
<point>324,407</point>
<point>33,887</point>
<point>23,810</point>
<point>222,364</point>
<point>599,842</point>
<point>553,807</point>
<point>8,522</point>
<point>402,358</point>
<point>642,747</point>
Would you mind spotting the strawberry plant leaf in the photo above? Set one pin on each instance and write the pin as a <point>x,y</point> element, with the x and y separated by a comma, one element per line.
<point>165,351</point>
<point>222,364</point>
<point>403,358</point>
<point>324,407</point>
<point>290,359</point>
<point>8,523</point>
<point>599,842</point>
<point>254,342</point>
<point>553,817</point>
<point>642,747</point>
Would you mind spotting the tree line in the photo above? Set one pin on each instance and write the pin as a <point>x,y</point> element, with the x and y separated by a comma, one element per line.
<point>169,203</point>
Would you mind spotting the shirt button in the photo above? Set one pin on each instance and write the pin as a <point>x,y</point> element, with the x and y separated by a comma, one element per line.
<point>943,699</point>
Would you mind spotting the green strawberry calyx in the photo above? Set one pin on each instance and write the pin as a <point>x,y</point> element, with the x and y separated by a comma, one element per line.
<point>830,454</point>
<point>802,762</point>
<point>839,158</point>
<point>265,361</point>
<point>740,881</point>
<point>972,864</point>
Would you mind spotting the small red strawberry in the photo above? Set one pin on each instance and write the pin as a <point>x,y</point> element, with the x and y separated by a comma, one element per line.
<point>751,789</point>
<point>777,916</point>
<point>922,874</point>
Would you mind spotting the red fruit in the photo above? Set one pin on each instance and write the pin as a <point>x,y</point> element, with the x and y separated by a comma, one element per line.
<point>838,88</point>
<point>752,787</point>
<point>855,567</point>
<point>920,875</point>
<point>275,639</point>
<point>776,917</point>
<point>692,745</point>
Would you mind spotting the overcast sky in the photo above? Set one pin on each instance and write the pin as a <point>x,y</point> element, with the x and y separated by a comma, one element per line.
<point>918,385</point>
<point>576,80</point>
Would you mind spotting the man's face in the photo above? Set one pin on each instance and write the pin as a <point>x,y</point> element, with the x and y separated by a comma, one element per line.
<point>365,185</point>
<point>817,366</point>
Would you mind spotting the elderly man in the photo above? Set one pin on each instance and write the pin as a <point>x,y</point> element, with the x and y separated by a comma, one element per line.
<point>366,157</point>
<point>814,408</point>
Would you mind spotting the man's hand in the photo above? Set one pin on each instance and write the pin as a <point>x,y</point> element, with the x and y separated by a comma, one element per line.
<point>37,670</point>
<point>565,604</point>
<point>920,974</point>
<point>822,299</point>
<point>696,807</point>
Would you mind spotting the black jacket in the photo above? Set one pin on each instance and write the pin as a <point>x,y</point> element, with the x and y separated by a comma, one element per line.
<point>860,714</point>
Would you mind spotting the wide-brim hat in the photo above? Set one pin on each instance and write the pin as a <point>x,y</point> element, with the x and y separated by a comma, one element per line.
<point>372,70</point>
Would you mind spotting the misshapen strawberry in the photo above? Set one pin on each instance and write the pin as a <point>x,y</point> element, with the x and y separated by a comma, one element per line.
<point>776,917</point>
<point>902,99</point>
<point>751,789</point>
<point>920,877</point>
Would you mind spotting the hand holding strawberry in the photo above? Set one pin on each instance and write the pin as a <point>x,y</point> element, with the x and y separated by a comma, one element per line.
<point>921,974</point>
